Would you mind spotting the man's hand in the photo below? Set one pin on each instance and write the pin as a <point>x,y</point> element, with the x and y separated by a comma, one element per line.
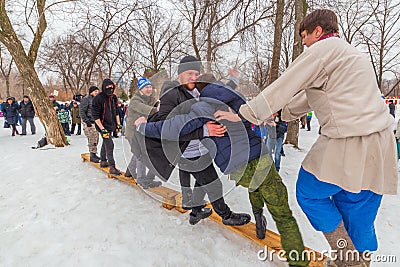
<point>215,129</point>
<point>140,120</point>
<point>227,115</point>
<point>119,128</point>
<point>105,133</point>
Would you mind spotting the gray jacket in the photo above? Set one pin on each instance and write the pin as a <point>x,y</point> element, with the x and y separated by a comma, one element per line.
<point>85,110</point>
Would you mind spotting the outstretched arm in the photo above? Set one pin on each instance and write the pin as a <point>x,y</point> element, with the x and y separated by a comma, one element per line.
<point>179,126</point>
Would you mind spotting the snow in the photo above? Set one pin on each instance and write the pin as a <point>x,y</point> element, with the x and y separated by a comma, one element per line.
<point>59,211</point>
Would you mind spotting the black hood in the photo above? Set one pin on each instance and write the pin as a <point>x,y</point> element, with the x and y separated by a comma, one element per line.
<point>105,83</point>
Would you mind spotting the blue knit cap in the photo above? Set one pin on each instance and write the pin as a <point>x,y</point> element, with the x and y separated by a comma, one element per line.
<point>143,82</point>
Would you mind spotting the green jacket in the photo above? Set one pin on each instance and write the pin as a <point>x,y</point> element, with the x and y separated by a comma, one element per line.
<point>140,105</point>
<point>75,115</point>
<point>63,116</point>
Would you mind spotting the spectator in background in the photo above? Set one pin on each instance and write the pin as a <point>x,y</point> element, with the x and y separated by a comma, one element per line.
<point>392,108</point>
<point>85,112</point>
<point>76,118</point>
<point>10,112</point>
<point>309,117</point>
<point>63,117</point>
<point>28,114</point>
<point>281,129</point>
<point>53,101</point>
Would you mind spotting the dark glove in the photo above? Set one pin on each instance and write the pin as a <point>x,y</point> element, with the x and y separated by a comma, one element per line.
<point>105,133</point>
<point>89,124</point>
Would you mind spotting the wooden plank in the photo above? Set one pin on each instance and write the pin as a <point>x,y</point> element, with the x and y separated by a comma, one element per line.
<point>272,240</point>
<point>173,199</point>
<point>169,195</point>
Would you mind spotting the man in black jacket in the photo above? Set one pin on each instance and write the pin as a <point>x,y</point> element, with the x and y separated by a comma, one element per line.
<point>106,121</point>
<point>85,112</point>
<point>27,114</point>
<point>195,159</point>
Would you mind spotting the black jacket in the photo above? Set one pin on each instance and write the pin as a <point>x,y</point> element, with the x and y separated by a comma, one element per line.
<point>10,112</point>
<point>26,109</point>
<point>105,108</point>
<point>162,156</point>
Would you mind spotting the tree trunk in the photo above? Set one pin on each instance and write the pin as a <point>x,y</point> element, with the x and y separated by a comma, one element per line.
<point>276,55</point>
<point>25,64</point>
<point>292,136</point>
<point>43,108</point>
<point>7,78</point>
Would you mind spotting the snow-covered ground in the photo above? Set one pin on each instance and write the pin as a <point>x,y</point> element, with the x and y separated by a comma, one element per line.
<point>56,210</point>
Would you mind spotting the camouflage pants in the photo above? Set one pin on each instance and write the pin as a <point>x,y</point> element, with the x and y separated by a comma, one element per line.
<point>271,191</point>
<point>92,136</point>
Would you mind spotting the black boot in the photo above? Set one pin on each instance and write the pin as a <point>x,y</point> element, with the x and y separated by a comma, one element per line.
<point>104,163</point>
<point>198,214</point>
<point>114,171</point>
<point>237,219</point>
<point>94,158</point>
<point>128,174</point>
<point>187,202</point>
<point>261,224</point>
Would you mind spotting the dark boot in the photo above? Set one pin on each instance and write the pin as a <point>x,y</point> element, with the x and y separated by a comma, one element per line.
<point>104,163</point>
<point>187,202</point>
<point>114,171</point>
<point>236,219</point>
<point>13,133</point>
<point>198,214</point>
<point>148,183</point>
<point>128,174</point>
<point>261,224</point>
<point>94,158</point>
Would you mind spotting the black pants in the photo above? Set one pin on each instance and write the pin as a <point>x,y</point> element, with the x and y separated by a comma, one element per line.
<point>208,182</point>
<point>73,128</point>
<point>65,127</point>
<point>107,151</point>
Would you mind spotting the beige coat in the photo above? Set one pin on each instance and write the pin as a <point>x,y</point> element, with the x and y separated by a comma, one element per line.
<point>356,149</point>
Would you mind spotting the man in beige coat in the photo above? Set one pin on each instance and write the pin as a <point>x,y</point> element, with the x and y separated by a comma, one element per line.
<point>353,163</point>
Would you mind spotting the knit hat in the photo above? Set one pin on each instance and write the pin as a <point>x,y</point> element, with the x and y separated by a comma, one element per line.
<point>93,88</point>
<point>25,96</point>
<point>143,82</point>
<point>189,63</point>
<point>106,82</point>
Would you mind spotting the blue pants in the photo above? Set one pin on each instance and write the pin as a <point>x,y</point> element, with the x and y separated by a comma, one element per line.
<point>278,149</point>
<point>326,205</point>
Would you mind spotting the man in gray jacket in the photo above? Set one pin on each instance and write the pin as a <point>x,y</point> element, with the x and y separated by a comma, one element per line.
<point>141,104</point>
<point>85,113</point>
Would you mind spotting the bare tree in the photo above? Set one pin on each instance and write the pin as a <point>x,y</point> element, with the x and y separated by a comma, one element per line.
<point>292,136</point>
<point>98,26</point>
<point>276,53</point>
<point>216,23</point>
<point>25,63</point>
<point>5,69</point>
<point>158,38</point>
<point>66,57</point>
<point>383,39</point>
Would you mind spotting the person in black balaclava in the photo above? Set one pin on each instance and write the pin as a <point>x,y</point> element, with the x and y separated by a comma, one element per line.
<point>104,112</point>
